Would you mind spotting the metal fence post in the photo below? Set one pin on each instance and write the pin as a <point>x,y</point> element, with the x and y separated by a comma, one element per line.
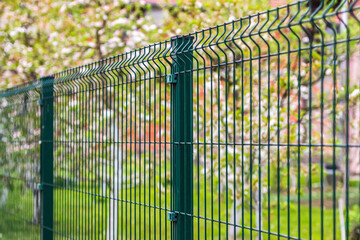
<point>46,157</point>
<point>182,137</point>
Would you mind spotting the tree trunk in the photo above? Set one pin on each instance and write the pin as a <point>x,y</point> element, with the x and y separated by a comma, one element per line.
<point>112,222</point>
<point>258,211</point>
<point>37,209</point>
<point>4,196</point>
<point>237,209</point>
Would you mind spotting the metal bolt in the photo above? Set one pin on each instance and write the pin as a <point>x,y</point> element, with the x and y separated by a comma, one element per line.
<point>172,217</point>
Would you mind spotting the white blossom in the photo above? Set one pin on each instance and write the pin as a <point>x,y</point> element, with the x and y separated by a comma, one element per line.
<point>198,4</point>
<point>119,21</point>
<point>354,94</point>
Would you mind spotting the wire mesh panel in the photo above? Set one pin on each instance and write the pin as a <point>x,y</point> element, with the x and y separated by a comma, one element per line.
<point>276,124</point>
<point>111,148</point>
<point>246,130</point>
<point>20,163</point>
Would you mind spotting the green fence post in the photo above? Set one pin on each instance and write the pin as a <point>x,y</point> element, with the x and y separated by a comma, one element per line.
<point>46,157</point>
<point>182,137</point>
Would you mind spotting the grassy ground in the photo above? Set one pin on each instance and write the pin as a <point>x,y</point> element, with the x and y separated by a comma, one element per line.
<point>80,216</point>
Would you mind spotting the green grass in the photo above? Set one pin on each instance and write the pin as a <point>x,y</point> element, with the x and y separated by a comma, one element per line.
<point>81,215</point>
<point>16,216</point>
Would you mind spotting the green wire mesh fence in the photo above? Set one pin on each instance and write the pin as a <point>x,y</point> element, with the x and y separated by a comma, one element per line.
<point>245,130</point>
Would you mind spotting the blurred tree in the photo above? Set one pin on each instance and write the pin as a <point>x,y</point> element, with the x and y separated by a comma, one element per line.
<point>42,37</point>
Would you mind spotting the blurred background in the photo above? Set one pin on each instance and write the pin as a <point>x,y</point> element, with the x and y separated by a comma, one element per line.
<point>38,38</point>
<point>42,37</point>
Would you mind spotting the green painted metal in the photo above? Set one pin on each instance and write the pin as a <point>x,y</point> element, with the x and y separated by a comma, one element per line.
<point>172,217</point>
<point>182,135</point>
<point>244,130</point>
<point>47,157</point>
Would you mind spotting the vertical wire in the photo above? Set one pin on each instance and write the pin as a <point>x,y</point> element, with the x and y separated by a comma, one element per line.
<point>114,162</point>
<point>82,153</point>
<point>357,21</point>
<point>218,128</point>
<point>77,158</point>
<point>204,102</point>
<point>136,79</point>
<point>226,139</point>
<point>159,144</point>
<point>310,133</point>
<point>334,57</point>
<point>309,154</point>
<point>131,80</point>
<point>251,134</point>
<point>93,156</point>
<point>218,122</point>
<point>122,146</point>
<point>347,85</point>
<point>145,144</point>
<point>67,143</point>
<point>61,158</point>
<point>137,139</point>
<point>85,155</point>
<point>288,133</point>
<point>278,121</point>
<point>99,140</point>
<point>56,164</point>
<point>64,160</point>
<point>141,54</point>
<point>234,122</point>
<point>242,130</point>
<point>268,119</point>
<point>75,155</point>
<point>80,140</point>
<point>66,157</point>
<point>79,223</point>
<point>197,138</point>
<point>166,56</point>
<point>166,141</point>
<point>322,132</point>
<point>105,147</point>
<point>88,133</point>
<point>71,162</point>
<point>204,133</point>
<point>211,144</point>
<point>98,155</point>
<point>278,132</point>
<point>298,118</point>
<point>242,134</point>
<point>149,141</point>
<point>90,151</point>
<point>259,118</point>
<point>154,141</point>
<point>171,142</point>
<point>72,158</point>
<point>110,139</point>
<point>321,118</point>
<point>251,121</point>
<point>105,155</point>
<point>259,141</point>
<point>127,225</point>
<point>163,208</point>
<point>118,141</point>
